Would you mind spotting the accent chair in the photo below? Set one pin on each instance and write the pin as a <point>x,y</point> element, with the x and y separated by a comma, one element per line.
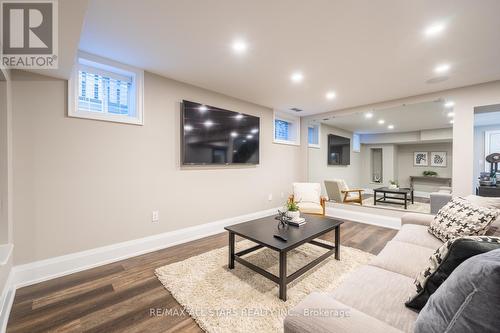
<point>308,198</point>
<point>338,190</point>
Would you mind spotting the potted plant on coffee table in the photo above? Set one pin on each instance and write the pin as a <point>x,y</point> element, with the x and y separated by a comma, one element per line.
<point>393,185</point>
<point>292,210</point>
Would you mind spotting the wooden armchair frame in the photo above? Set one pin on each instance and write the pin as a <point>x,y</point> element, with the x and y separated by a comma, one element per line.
<point>359,199</point>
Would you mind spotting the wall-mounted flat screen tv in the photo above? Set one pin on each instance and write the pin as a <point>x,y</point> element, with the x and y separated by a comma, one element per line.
<point>339,150</point>
<point>211,135</point>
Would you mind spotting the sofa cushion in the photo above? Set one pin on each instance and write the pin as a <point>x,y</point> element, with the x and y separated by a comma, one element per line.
<point>467,301</point>
<point>461,217</point>
<point>307,192</point>
<point>310,208</point>
<point>442,263</point>
<point>417,218</point>
<point>379,293</point>
<point>403,258</point>
<point>319,313</point>
<point>418,235</point>
<point>488,202</point>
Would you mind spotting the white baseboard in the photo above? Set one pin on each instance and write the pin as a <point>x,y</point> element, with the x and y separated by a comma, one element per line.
<point>6,301</point>
<point>39,271</point>
<point>47,269</point>
<point>392,222</point>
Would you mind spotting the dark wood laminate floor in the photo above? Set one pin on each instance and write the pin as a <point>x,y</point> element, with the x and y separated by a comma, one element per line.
<point>119,297</point>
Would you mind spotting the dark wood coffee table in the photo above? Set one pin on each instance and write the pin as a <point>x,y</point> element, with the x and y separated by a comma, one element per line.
<point>400,196</point>
<point>261,231</point>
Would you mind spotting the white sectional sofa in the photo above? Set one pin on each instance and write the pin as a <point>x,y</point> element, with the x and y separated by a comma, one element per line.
<point>373,296</point>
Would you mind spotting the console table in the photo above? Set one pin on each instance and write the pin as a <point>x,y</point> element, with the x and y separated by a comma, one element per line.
<point>488,191</point>
<point>430,179</point>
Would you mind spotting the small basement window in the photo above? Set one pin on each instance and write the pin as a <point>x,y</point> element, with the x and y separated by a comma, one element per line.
<point>286,129</point>
<point>105,90</point>
<point>313,135</point>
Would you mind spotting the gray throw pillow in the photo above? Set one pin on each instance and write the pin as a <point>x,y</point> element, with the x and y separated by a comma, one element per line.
<point>468,301</point>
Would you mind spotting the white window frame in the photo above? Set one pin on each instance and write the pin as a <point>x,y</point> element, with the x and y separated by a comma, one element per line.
<point>103,65</point>
<point>295,121</point>
<point>354,148</point>
<point>312,145</point>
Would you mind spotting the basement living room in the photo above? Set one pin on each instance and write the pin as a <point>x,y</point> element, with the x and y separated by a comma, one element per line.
<point>249,166</point>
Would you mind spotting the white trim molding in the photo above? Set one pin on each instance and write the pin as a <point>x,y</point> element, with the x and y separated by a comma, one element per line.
<point>43,270</point>
<point>107,68</point>
<point>294,121</point>
<point>6,301</point>
<point>367,216</point>
<point>47,269</point>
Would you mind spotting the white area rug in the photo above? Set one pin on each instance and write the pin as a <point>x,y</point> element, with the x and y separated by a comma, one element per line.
<point>239,300</point>
<point>418,207</point>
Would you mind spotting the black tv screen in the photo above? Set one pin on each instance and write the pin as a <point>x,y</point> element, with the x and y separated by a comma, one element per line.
<point>339,150</point>
<point>212,135</point>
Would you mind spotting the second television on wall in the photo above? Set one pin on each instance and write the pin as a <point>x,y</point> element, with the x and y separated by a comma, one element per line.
<point>339,150</point>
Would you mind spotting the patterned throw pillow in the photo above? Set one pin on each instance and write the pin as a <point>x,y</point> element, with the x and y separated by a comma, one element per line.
<point>444,261</point>
<point>461,217</point>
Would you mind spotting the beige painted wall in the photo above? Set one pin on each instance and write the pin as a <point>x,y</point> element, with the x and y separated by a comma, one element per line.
<point>4,144</point>
<point>81,184</point>
<point>389,166</point>
<point>406,168</point>
<point>5,174</point>
<point>463,131</point>
<point>319,170</point>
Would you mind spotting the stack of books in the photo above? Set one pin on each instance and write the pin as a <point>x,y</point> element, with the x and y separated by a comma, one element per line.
<point>297,222</point>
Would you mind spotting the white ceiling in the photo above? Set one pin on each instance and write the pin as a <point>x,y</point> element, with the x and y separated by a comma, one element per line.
<point>405,118</point>
<point>71,15</point>
<point>366,51</point>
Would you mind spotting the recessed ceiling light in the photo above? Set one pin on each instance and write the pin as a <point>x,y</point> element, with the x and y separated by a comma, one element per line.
<point>330,95</point>
<point>239,46</point>
<point>443,68</point>
<point>202,108</point>
<point>451,114</point>
<point>368,115</point>
<point>452,121</point>
<point>390,127</point>
<point>234,134</point>
<point>434,29</point>
<point>208,123</point>
<point>239,116</point>
<point>249,136</point>
<point>188,127</point>
<point>254,130</point>
<point>297,77</point>
<point>381,121</point>
<point>449,104</point>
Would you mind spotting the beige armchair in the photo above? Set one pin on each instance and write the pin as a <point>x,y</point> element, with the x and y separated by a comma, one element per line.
<point>308,198</point>
<point>338,190</point>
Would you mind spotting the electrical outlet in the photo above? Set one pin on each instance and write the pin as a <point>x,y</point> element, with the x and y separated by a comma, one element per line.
<point>282,195</point>
<point>270,197</point>
<point>155,216</point>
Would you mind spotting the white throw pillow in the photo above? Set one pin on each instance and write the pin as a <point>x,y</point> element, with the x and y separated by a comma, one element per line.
<point>307,192</point>
<point>461,217</point>
<point>493,203</point>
